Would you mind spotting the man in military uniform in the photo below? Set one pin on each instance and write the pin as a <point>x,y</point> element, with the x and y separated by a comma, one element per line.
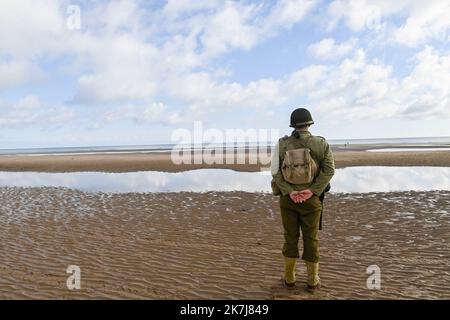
<point>300,204</point>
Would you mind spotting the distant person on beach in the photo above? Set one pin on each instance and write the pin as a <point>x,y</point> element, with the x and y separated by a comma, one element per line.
<point>302,167</point>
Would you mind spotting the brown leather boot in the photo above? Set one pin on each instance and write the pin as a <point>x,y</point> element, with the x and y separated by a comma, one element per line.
<point>312,289</point>
<point>289,286</point>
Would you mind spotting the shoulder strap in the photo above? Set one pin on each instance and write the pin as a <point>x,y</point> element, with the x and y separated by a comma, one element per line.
<point>318,157</point>
<point>306,143</point>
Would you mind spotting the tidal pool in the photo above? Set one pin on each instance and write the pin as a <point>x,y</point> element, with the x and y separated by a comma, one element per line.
<point>353,179</point>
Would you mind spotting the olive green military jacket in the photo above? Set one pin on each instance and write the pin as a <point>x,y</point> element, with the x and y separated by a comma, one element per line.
<point>320,152</point>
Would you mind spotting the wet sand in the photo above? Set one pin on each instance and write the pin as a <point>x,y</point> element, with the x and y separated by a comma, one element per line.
<point>162,161</point>
<point>216,245</point>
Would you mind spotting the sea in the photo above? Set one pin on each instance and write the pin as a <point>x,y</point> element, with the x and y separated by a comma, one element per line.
<point>391,142</point>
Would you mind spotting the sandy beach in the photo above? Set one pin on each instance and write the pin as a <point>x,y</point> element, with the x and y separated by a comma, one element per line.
<point>137,139</point>
<point>216,245</point>
<point>162,161</point>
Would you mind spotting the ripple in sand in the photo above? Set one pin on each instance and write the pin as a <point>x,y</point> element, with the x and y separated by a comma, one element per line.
<point>128,246</point>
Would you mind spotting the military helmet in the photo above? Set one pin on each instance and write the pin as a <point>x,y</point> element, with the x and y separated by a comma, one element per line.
<point>301,117</point>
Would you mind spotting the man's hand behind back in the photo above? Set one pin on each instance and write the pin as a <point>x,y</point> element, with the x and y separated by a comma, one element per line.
<point>301,196</point>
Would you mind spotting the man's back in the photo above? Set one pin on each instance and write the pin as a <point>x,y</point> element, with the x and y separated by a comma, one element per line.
<point>320,152</point>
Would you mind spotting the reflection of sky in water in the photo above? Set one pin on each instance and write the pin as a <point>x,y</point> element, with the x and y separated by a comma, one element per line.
<point>353,179</point>
<point>383,179</point>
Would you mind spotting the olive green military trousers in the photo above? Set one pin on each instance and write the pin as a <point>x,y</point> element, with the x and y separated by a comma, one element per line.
<point>305,217</point>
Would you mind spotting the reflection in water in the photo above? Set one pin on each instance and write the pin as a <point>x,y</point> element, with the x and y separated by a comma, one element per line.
<point>384,179</point>
<point>353,179</point>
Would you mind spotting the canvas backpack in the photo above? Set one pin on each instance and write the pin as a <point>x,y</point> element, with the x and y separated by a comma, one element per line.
<point>298,166</point>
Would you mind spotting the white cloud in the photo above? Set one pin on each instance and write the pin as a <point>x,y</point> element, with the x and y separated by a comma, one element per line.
<point>426,91</point>
<point>17,72</point>
<point>130,67</point>
<point>428,20</point>
<point>355,88</point>
<point>121,55</point>
<point>116,16</point>
<point>221,26</point>
<point>329,49</point>
<point>123,59</point>
<point>288,12</point>
<point>408,22</point>
<point>153,113</point>
<point>29,28</point>
<point>204,94</point>
<point>361,89</point>
<point>123,69</point>
<point>358,15</point>
<point>29,111</point>
<point>230,27</point>
<point>177,8</point>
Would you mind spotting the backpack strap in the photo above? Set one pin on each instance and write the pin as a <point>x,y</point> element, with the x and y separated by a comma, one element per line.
<point>306,143</point>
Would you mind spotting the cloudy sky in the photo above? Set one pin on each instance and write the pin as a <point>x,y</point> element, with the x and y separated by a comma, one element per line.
<point>136,70</point>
